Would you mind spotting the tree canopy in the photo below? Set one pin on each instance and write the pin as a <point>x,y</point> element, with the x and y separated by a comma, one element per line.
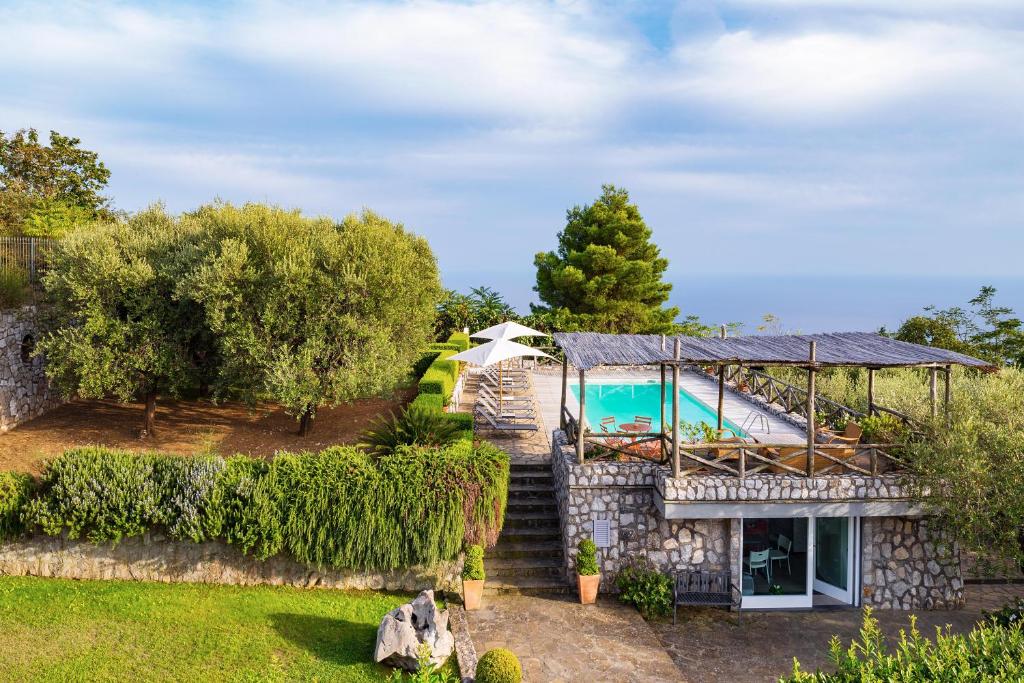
<point>481,308</point>
<point>606,275</point>
<point>45,190</point>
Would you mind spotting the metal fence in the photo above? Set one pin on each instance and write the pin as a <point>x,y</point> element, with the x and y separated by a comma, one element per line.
<point>25,253</point>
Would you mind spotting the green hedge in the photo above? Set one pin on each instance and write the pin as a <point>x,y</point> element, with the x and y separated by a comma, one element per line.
<point>15,489</point>
<point>432,401</point>
<point>339,508</point>
<point>444,346</point>
<point>423,362</point>
<point>460,340</point>
<point>440,377</point>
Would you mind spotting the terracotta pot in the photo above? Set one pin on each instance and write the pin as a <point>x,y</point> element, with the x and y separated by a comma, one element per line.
<point>588,588</point>
<point>472,591</point>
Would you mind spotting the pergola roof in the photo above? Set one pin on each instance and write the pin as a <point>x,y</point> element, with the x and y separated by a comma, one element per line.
<point>586,350</point>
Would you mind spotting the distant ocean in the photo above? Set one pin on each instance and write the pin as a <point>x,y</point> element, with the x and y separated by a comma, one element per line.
<point>802,303</point>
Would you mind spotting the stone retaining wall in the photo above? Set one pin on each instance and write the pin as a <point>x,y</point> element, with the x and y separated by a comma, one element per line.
<point>778,487</point>
<point>24,391</point>
<point>623,493</point>
<point>907,564</point>
<point>152,557</point>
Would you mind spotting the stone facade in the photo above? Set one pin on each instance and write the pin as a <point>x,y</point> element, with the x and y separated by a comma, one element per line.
<point>623,493</point>
<point>907,564</point>
<point>152,557</point>
<point>24,391</point>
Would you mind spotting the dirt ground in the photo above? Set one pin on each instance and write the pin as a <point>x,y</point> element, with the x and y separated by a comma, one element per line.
<point>185,427</point>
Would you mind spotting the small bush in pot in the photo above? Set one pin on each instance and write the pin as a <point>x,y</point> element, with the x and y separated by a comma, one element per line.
<point>499,666</point>
<point>473,577</point>
<point>588,576</point>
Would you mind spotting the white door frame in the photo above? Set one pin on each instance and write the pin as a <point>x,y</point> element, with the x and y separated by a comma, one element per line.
<point>804,600</point>
<point>830,590</point>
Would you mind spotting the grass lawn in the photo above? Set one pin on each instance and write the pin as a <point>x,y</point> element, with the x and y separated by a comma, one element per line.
<point>61,630</point>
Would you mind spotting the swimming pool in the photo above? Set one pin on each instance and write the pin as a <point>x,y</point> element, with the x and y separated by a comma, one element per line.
<point>625,400</point>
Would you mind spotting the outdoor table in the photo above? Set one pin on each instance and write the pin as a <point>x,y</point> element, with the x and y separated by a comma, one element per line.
<point>635,427</point>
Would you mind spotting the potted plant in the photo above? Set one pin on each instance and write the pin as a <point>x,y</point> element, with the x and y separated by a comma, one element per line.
<point>588,576</point>
<point>473,577</point>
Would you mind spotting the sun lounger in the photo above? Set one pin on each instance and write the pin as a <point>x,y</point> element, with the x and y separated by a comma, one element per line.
<point>490,394</point>
<point>489,422</point>
<point>505,410</point>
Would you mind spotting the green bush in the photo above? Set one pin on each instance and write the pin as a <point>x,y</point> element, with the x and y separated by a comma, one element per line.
<point>460,340</point>
<point>429,401</point>
<point>1009,615</point>
<point>15,490</point>
<point>644,587</point>
<point>473,568</point>
<point>499,666</point>
<point>440,377</point>
<point>586,558</point>
<point>444,346</point>
<point>339,508</point>
<point>13,287</point>
<point>423,362</point>
<point>413,426</point>
<point>988,653</point>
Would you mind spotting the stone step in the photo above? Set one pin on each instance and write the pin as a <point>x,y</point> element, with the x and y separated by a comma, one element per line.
<point>518,490</point>
<point>525,506</point>
<point>527,586</point>
<point>531,520</point>
<point>538,479</point>
<point>521,567</point>
<point>529,468</point>
<point>525,549</point>
<point>530,535</point>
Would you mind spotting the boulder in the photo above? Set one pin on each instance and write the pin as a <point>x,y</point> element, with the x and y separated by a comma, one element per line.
<point>405,628</point>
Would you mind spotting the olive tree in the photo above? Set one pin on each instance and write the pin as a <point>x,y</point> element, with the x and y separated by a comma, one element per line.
<point>309,312</point>
<point>115,327</point>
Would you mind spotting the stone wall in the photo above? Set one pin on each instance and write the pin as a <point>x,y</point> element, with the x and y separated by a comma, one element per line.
<point>908,564</point>
<point>623,493</point>
<point>779,487</point>
<point>152,557</point>
<point>24,391</point>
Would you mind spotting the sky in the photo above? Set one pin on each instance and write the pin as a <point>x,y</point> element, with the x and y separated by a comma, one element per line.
<point>838,141</point>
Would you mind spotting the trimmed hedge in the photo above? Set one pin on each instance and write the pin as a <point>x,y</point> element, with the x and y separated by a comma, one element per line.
<point>339,508</point>
<point>432,401</point>
<point>460,340</point>
<point>423,362</point>
<point>499,666</point>
<point>444,346</point>
<point>440,377</point>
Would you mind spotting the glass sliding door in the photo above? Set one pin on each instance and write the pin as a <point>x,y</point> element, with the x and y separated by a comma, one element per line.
<point>834,556</point>
<point>777,556</point>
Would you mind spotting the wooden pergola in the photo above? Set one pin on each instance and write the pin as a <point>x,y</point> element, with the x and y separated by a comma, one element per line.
<point>588,350</point>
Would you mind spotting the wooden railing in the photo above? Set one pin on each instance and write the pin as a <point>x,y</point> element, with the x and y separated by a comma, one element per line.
<point>792,398</point>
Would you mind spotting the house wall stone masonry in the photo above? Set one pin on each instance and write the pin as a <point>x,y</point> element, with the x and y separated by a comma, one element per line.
<point>153,557</point>
<point>905,562</point>
<point>24,391</point>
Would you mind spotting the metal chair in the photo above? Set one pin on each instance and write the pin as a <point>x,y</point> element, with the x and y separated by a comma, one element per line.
<point>782,553</point>
<point>759,559</point>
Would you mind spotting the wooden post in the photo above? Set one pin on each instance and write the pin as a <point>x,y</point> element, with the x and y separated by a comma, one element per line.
<point>721,393</point>
<point>947,394</point>
<point>663,450</point>
<point>582,420</point>
<point>933,390</point>
<point>565,392</point>
<point>871,392</point>
<point>675,411</point>
<point>810,411</point>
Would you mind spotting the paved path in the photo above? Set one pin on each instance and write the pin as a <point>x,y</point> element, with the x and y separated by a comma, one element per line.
<point>558,640</point>
<point>715,645</point>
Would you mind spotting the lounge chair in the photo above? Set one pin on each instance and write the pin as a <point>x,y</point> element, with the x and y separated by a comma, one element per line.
<point>489,394</point>
<point>507,414</point>
<point>489,422</point>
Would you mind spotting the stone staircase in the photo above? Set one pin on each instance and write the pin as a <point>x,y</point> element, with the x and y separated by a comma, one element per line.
<point>528,557</point>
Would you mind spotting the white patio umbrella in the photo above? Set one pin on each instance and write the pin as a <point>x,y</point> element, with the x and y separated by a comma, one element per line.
<point>497,351</point>
<point>507,330</point>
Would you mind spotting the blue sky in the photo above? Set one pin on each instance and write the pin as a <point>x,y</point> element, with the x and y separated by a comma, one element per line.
<point>812,137</point>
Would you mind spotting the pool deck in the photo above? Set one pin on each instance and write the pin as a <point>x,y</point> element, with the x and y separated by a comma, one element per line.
<point>548,385</point>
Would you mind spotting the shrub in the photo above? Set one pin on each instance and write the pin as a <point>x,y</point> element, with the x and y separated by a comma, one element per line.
<point>429,401</point>
<point>473,569</point>
<point>499,666</point>
<point>13,287</point>
<point>1010,614</point>
<point>440,377</point>
<point>15,489</point>
<point>426,671</point>
<point>586,558</point>
<point>423,362</point>
<point>988,653</point>
<point>644,587</point>
<point>193,496</point>
<point>413,426</point>
<point>252,507</point>
<point>444,346</point>
<point>460,340</point>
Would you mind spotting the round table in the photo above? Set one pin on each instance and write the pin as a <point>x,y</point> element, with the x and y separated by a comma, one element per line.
<point>635,427</point>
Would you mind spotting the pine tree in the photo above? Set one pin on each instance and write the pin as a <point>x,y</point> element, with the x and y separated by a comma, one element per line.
<point>607,274</point>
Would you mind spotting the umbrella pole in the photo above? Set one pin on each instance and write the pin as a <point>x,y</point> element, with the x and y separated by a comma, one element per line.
<point>501,389</point>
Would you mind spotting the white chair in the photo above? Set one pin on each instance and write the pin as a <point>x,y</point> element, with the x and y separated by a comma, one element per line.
<point>782,553</point>
<point>759,560</point>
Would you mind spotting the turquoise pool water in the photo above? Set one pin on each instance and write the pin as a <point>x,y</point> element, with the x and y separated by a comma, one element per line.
<point>625,401</point>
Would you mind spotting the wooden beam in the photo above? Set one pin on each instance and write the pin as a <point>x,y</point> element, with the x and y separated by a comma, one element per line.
<point>582,419</point>
<point>871,391</point>
<point>675,411</point>
<point>947,393</point>
<point>662,426</point>
<point>565,392</point>
<point>721,393</point>
<point>810,410</point>
<point>933,390</point>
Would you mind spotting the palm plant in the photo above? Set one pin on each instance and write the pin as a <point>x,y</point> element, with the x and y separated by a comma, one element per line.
<point>414,426</point>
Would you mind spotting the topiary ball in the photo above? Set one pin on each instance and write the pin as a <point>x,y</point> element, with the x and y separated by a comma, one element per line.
<point>499,666</point>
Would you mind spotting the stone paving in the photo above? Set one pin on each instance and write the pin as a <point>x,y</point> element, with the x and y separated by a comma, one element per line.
<point>558,640</point>
<point>715,645</point>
